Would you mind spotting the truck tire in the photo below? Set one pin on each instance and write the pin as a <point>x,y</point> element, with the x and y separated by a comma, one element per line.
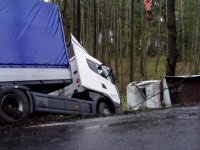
<point>103,109</point>
<point>14,106</point>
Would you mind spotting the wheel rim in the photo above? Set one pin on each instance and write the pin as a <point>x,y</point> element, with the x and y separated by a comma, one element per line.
<point>12,106</point>
<point>104,110</point>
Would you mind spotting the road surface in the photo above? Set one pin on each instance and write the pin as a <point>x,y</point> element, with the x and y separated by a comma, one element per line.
<point>168,129</point>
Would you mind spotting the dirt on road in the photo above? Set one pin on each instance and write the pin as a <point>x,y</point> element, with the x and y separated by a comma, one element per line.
<point>144,114</point>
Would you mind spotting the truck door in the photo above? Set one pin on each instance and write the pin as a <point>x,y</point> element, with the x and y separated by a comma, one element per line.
<point>108,85</point>
<point>87,70</point>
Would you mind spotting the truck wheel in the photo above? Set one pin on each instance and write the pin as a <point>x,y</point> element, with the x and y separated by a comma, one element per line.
<point>103,109</point>
<point>14,106</point>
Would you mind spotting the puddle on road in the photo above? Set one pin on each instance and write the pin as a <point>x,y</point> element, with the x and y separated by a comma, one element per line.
<point>96,127</point>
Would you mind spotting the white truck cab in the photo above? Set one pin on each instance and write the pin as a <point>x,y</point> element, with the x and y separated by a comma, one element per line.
<point>90,77</point>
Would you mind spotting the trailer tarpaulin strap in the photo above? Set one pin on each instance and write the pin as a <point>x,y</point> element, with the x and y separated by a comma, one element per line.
<point>31,35</point>
<point>148,5</point>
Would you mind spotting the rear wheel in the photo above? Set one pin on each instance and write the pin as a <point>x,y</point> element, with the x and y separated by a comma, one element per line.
<point>14,106</point>
<point>103,109</point>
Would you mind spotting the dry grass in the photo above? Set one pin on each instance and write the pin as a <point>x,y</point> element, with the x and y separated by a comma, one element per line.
<point>124,71</point>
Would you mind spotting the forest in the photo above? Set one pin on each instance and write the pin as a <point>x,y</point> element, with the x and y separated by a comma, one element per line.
<point>118,33</point>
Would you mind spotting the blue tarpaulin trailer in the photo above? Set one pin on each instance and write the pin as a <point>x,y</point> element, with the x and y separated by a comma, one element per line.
<point>31,35</point>
<point>36,72</point>
<point>32,45</point>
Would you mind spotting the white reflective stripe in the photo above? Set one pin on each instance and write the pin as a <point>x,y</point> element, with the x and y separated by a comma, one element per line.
<point>24,74</point>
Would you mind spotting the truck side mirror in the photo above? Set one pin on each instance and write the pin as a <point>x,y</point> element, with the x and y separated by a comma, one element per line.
<point>112,76</point>
<point>100,67</point>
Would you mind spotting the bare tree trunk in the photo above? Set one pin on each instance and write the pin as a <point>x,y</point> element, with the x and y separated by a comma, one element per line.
<point>183,32</point>
<point>95,31</point>
<point>132,52</point>
<point>192,60</point>
<point>78,21</point>
<point>146,49</point>
<point>158,41</point>
<point>116,39</point>
<point>64,17</point>
<point>172,51</point>
<point>103,50</point>
<point>142,63</point>
<point>197,45</point>
<point>74,16</point>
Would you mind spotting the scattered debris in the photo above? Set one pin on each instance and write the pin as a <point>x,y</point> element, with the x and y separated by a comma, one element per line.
<point>36,120</point>
<point>164,93</point>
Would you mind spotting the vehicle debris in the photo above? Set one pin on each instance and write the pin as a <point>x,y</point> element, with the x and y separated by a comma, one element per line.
<point>164,93</point>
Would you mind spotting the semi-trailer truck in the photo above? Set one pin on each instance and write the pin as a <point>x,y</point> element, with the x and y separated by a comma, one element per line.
<point>39,72</point>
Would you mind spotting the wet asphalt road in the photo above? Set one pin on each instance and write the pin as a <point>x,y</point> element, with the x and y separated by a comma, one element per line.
<point>168,129</point>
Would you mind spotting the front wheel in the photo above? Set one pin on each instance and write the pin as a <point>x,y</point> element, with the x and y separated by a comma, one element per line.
<point>14,106</point>
<point>103,109</point>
